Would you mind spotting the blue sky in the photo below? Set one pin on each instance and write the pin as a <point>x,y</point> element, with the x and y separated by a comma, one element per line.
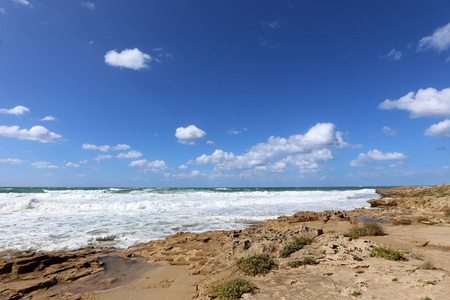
<point>224,93</point>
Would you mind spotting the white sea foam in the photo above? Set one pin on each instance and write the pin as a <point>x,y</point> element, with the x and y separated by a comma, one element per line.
<point>69,219</point>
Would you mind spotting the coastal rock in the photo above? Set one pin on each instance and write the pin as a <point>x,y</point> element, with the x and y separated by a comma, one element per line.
<point>435,198</point>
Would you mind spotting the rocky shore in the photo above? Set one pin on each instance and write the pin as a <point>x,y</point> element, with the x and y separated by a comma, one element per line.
<point>332,264</point>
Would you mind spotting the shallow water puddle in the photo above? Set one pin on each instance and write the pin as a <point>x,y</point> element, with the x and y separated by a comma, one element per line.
<point>370,220</point>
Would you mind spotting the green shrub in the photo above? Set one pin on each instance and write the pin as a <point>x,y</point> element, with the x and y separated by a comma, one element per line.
<point>368,229</point>
<point>423,219</point>
<point>357,258</point>
<point>402,222</point>
<point>431,282</point>
<point>233,289</point>
<point>295,264</point>
<point>294,246</point>
<point>356,293</point>
<point>387,253</point>
<point>307,260</point>
<point>256,264</point>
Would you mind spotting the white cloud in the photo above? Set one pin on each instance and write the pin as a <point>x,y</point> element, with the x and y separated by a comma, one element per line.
<point>209,142</point>
<point>130,154</point>
<point>101,157</point>
<point>189,135</point>
<point>375,155</point>
<point>13,161</point>
<point>235,131</point>
<point>149,166</point>
<point>182,167</point>
<point>389,131</point>
<point>439,40</point>
<point>83,162</point>
<point>23,2</point>
<point>44,165</point>
<point>158,49</point>
<point>425,103</point>
<point>302,151</point>
<point>48,118</point>
<point>106,148</point>
<point>18,110</point>
<point>72,165</point>
<point>128,58</point>
<point>439,130</point>
<point>121,147</point>
<point>36,133</point>
<point>88,5</point>
<point>394,55</point>
<point>3,10</point>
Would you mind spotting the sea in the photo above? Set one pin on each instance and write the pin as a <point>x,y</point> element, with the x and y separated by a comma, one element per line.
<point>60,219</point>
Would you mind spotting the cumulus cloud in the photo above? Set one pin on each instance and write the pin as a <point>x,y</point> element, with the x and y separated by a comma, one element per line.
<point>48,118</point>
<point>375,155</point>
<point>305,152</point>
<point>106,148</point>
<point>189,135</point>
<point>128,58</point>
<point>130,154</point>
<point>182,167</point>
<point>23,2</point>
<point>425,103</point>
<point>18,110</point>
<point>88,5</point>
<point>439,130</point>
<point>13,161</point>
<point>72,165</point>
<point>101,157</point>
<point>210,142</point>
<point>394,55</point>
<point>44,165</point>
<point>389,131</point>
<point>149,166</point>
<point>36,133</point>
<point>439,40</point>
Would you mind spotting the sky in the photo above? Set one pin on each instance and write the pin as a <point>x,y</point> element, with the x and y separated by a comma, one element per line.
<point>224,93</point>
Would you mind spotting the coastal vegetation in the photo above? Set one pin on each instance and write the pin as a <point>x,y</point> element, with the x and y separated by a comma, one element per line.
<point>368,229</point>
<point>294,246</point>
<point>256,264</point>
<point>387,253</point>
<point>233,289</point>
<point>402,222</point>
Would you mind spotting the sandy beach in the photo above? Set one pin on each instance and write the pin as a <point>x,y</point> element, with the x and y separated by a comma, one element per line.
<point>190,266</point>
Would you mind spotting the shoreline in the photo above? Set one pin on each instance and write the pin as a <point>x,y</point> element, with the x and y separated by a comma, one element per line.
<point>199,262</point>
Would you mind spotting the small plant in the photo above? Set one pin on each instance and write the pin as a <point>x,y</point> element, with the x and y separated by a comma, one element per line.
<point>356,293</point>
<point>233,289</point>
<point>295,264</point>
<point>294,246</point>
<point>387,253</point>
<point>395,279</point>
<point>422,219</point>
<point>402,222</point>
<point>328,274</point>
<point>426,298</point>
<point>368,229</point>
<point>307,260</point>
<point>255,264</point>
<point>357,258</point>
<point>360,272</point>
<point>431,282</point>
